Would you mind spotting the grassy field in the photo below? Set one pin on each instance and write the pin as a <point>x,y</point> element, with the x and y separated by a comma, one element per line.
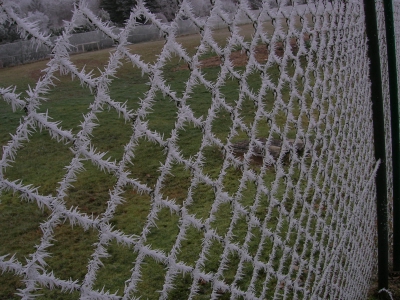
<point>41,162</point>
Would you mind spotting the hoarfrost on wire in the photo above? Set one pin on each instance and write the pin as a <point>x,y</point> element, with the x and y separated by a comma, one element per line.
<point>323,246</point>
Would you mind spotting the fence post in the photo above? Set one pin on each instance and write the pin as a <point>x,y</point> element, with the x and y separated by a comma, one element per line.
<point>379,141</point>
<point>394,110</point>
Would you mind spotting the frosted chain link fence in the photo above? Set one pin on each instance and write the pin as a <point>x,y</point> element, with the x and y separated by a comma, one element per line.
<point>309,232</point>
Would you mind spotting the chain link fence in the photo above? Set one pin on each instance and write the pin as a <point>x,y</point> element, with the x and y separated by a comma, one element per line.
<point>263,185</point>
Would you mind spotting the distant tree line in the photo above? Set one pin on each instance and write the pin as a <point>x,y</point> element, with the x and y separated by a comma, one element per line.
<point>50,14</point>
<point>119,10</point>
<point>47,14</point>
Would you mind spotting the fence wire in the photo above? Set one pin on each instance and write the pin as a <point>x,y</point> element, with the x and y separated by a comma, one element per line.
<point>297,221</point>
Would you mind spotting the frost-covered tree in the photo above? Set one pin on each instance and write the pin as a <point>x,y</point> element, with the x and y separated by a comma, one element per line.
<point>22,6</point>
<point>256,4</point>
<point>36,5</point>
<point>201,8</point>
<point>55,10</point>
<point>58,11</point>
<point>8,32</point>
<point>168,8</point>
<point>40,19</point>
<point>119,10</point>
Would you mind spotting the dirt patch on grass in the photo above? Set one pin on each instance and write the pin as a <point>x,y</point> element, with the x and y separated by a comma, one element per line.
<point>240,58</point>
<point>36,74</point>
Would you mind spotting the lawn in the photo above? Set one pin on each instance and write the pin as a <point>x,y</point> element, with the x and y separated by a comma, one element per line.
<point>41,163</point>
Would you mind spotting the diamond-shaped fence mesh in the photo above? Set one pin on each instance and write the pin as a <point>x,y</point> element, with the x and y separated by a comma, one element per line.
<point>236,162</point>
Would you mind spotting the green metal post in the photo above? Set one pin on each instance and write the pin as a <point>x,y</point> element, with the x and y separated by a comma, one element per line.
<point>379,141</point>
<point>394,109</point>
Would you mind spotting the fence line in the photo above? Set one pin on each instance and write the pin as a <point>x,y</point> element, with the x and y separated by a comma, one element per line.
<point>24,51</point>
<point>253,154</point>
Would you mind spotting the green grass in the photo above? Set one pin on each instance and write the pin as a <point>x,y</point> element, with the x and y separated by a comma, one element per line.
<point>41,163</point>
